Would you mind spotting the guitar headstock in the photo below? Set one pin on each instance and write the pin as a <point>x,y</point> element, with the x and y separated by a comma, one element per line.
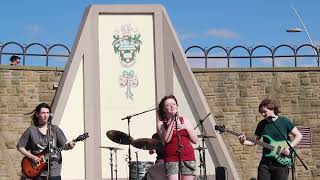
<point>82,137</point>
<point>221,129</point>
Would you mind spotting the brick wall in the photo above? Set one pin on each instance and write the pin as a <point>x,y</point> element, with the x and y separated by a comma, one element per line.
<point>233,96</point>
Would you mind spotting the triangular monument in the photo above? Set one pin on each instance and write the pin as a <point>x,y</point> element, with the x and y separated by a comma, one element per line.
<point>124,60</point>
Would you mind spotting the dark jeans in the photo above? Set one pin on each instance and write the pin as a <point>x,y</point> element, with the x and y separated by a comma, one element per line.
<point>272,172</point>
<point>45,178</point>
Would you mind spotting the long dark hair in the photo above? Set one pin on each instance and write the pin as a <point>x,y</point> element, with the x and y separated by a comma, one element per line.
<point>269,104</point>
<point>36,111</point>
<point>160,111</point>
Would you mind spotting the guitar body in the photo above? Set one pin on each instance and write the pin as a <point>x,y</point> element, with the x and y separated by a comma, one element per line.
<point>279,146</point>
<point>275,147</point>
<point>31,169</point>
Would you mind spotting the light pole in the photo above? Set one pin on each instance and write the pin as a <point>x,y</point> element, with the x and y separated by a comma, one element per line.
<point>303,25</point>
<point>305,30</point>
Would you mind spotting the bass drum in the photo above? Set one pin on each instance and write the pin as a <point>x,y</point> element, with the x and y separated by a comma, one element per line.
<point>156,172</point>
<point>138,169</point>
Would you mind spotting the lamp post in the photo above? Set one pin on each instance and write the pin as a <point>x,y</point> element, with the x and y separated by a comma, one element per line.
<point>303,25</point>
<point>294,30</point>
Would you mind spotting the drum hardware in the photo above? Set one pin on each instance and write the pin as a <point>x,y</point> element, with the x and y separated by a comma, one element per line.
<point>146,143</point>
<point>139,169</point>
<point>119,137</point>
<point>202,149</point>
<point>114,149</point>
<point>128,118</point>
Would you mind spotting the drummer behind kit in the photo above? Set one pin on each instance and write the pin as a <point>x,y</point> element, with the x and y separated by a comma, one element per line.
<point>138,169</point>
<point>147,170</point>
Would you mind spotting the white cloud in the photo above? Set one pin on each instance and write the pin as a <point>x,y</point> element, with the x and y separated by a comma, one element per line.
<point>222,33</point>
<point>188,35</point>
<point>33,29</point>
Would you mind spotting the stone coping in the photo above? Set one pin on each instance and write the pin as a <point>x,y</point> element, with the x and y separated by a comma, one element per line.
<point>31,68</point>
<point>260,69</point>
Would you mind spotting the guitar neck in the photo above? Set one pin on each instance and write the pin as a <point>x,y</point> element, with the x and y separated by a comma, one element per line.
<point>261,143</point>
<point>64,147</point>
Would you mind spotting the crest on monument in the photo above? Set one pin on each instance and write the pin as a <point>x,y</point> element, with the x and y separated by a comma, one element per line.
<point>127,44</point>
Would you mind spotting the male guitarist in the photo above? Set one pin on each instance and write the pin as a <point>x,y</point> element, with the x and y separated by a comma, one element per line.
<point>269,168</point>
<point>34,140</point>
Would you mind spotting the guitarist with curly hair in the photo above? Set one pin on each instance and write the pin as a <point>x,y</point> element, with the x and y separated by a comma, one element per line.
<point>269,129</point>
<point>34,141</point>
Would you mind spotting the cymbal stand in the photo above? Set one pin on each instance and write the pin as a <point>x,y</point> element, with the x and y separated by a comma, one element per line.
<point>203,159</point>
<point>129,149</point>
<point>137,165</point>
<point>111,163</point>
<point>201,162</point>
<point>116,164</point>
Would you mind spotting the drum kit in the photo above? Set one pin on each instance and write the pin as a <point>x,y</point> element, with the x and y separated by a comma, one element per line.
<point>137,168</point>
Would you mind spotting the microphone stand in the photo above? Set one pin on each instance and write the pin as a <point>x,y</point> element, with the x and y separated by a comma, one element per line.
<point>292,150</point>
<point>179,148</point>
<point>203,159</point>
<point>128,118</point>
<point>49,147</point>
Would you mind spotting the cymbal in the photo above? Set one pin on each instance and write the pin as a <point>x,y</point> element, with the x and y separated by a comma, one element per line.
<point>146,143</point>
<point>110,148</point>
<point>206,136</point>
<point>119,137</point>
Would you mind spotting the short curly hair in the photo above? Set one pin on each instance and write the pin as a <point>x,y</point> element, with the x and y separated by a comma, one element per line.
<point>269,104</point>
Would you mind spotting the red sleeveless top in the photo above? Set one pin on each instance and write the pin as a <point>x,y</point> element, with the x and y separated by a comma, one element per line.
<point>187,152</point>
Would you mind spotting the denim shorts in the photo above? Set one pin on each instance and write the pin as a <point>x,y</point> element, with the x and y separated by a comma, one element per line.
<point>188,168</point>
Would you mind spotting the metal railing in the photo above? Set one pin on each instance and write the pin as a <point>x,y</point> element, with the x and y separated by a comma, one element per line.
<point>203,56</point>
<point>24,51</point>
<point>206,56</point>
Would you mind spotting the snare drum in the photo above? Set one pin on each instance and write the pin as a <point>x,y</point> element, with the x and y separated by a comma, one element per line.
<point>138,169</point>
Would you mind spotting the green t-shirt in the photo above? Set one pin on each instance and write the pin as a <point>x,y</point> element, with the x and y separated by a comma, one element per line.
<point>266,127</point>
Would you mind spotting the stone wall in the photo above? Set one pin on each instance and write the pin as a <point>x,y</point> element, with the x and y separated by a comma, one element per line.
<point>21,90</point>
<point>235,94</point>
<point>232,94</point>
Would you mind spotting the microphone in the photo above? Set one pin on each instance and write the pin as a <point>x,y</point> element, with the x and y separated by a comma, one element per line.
<point>270,119</point>
<point>176,115</point>
<point>50,117</point>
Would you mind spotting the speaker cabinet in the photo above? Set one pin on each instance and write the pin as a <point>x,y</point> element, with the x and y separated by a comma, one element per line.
<point>221,173</point>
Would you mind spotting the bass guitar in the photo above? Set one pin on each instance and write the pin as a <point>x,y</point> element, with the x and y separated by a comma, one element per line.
<point>32,169</point>
<point>275,147</point>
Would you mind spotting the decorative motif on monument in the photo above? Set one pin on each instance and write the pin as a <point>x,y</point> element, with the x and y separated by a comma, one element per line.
<point>127,45</point>
<point>128,80</point>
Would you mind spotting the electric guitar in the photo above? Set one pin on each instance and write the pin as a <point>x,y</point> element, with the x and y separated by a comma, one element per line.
<point>275,147</point>
<point>32,169</point>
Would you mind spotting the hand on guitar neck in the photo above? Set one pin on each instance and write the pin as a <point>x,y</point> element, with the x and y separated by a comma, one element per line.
<point>243,140</point>
<point>72,144</point>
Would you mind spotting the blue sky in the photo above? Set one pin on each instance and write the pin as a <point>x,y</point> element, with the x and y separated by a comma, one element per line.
<point>205,23</point>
